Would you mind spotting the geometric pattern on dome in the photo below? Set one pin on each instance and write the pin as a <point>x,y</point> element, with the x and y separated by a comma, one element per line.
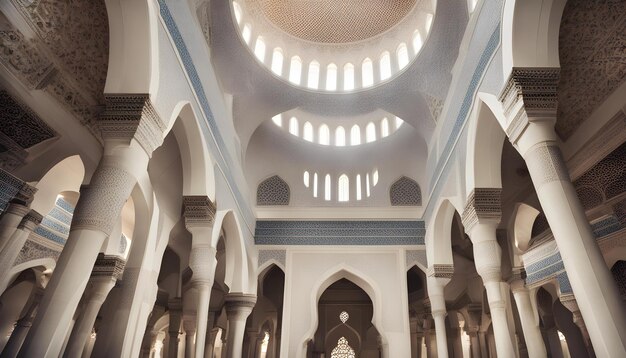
<point>273,191</point>
<point>604,181</point>
<point>342,350</point>
<point>344,316</point>
<point>332,21</point>
<point>405,192</point>
<point>20,124</point>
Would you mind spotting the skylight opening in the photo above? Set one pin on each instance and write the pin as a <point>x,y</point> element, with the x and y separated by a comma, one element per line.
<point>355,135</point>
<point>399,122</point>
<point>293,126</point>
<point>324,135</point>
<point>348,77</point>
<point>278,120</point>
<point>375,178</point>
<point>331,77</point>
<point>246,33</point>
<point>307,132</point>
<point>306,179</point>
<point>403,56</point>
<point>417,42</point>
<point>315,185</point>
<point>259,49</point>
<point>343,188</point>
<point>367,73</point>
<point>313,79</point>
<point>340,137</point>
<point>237,11</point>
<point>327,185</point>
<point>367,185</point>
<point>277,61</point>
<point>295,70</point>
<point>370,132</point>
<point>358,187</point>
<point>385,66</point>
<point>384,127</point>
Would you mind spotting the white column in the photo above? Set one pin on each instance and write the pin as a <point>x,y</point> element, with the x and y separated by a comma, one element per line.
<point>13,247</point>
<point>199,214</point>
<point>105,273</point>
<point>530,106</point>
<point>210,342</point>
<point>437,278</point>
<point>131,130</point>
<point>18,207</point>
<point>23,325</point>
<point>238,308</point>
<point>530,324</point>
<point>189,325</point>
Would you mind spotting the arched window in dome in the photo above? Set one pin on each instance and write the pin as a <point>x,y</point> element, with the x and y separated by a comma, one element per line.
<point>306,179</point>
<point>327,185</point>
<point>367,185</point>
<point>277,61</point>
<point>429,21</point>
<point>313,79</point>
<point>259,49</point>
<point>331,77</point>
<point>324,135</point>
<point>307,132</point>
<point>315,185</point>
<point>417,42</point>
<point>348,77</point>
<point>375,177</point>
<point>358,187</point>
<point>367,73</point>
<point>384,127</point>
<point>293,126</point>
<point>355,135</point>
<point>343,188</point>
<point>370,132</point>
<point>403,56</point>
<point>278,120</point>
<point>385,66</point>
<point>295,70</point>
<point>246,33</point>
<point>340,136</point>
<point>342,350</point>
<point>399,122</point>
<point>237,11</point>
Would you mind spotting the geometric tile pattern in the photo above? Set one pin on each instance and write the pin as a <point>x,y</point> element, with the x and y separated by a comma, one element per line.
<point>270,232</point>
<point>405,192</point>
<point>20,124</point>
<point>605,180</point>
<point>9,187</point>
<point>273,191</point>
<point>269,255</point>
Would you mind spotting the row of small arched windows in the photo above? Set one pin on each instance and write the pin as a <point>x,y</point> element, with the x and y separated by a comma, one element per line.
<point>343,185</point>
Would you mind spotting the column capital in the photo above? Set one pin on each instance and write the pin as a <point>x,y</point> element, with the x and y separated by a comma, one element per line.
<point>198,211</point>
<point>517,281</point>
<point>30,221</point>
<point>110,266</point>
<point>130,116</point>
<point>17,209</point>
<point>484,205</point>
<point>529,94</point>
<point>239,304</point>
<point>25,195</point>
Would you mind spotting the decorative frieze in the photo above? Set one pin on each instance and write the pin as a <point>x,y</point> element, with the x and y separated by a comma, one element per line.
<point>108,266</point>
<point>440,271</point>
<point>413,257</point>
<point>482,204</point>
<point>128,116</point>
<point>198,210</point>
<point>278,256</point>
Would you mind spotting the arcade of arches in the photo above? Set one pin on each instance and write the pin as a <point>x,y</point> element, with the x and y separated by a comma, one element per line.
<point>327,179</point>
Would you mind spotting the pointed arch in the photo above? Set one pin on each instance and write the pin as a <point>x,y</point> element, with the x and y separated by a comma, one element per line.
<point>66,175</point>
<point>355,135</point>
<point>236,276</point>
<point>439,234</point>
<point>367,72</point>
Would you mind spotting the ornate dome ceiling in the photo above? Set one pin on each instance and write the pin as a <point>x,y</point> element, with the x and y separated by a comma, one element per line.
<point>332,21</point>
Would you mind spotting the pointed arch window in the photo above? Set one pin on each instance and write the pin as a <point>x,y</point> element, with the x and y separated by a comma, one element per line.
<point>327,186</point>
<point>429,20</point>
<point>246,33</point>
<point>259,49</point>
<point>348,77</point>
<point>358,187</point>
<point>375,177</point>
<point>315,185</point>
<point>367,185</point>
<point>370,132</point>
<point>277,61</point>
<point>331,77</point>
<point>340,136</point>
<point>417,42</point>
<point>295,70</point>
<point>403,56</point>
<point>293,126</point>
<point>324,135</point>
<point>278,120</point>
<point>307,132</point>
<point>355,135</point>
<point>237,11</point>
<point>399,122</point>
<point>367,73</point>
<point>343,188</point>
<point>384,127</point>
<point>385,66</point>
<point>314,75</point>
<point>306,179</point>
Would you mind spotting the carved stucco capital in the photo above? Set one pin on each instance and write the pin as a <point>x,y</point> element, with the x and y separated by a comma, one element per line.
<point>483,205</point>
<point>108,266</point>
<point>440,271</point>
<point>198,210</point>
<point>30,221</point>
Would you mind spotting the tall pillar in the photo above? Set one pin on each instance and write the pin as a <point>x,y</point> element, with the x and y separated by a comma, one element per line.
<point>175,310</point>
<point>472,326</point>
<point>251,341</point>
<point>530,107</point>
<point>12,248</point>
<point>438,277</point>
<point>199,214</point>
<point>18,207</point>
<point>569,301</point>
<point>189,325</point>
<point>480,218</point>
<point>210,342</point>
<point>482,340</point>
<point>528,319</point>
<point>23,325</point>
<point>414,325</point>
<point>131,129</point>
<point>238,308</point>
<point>105,273</point>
